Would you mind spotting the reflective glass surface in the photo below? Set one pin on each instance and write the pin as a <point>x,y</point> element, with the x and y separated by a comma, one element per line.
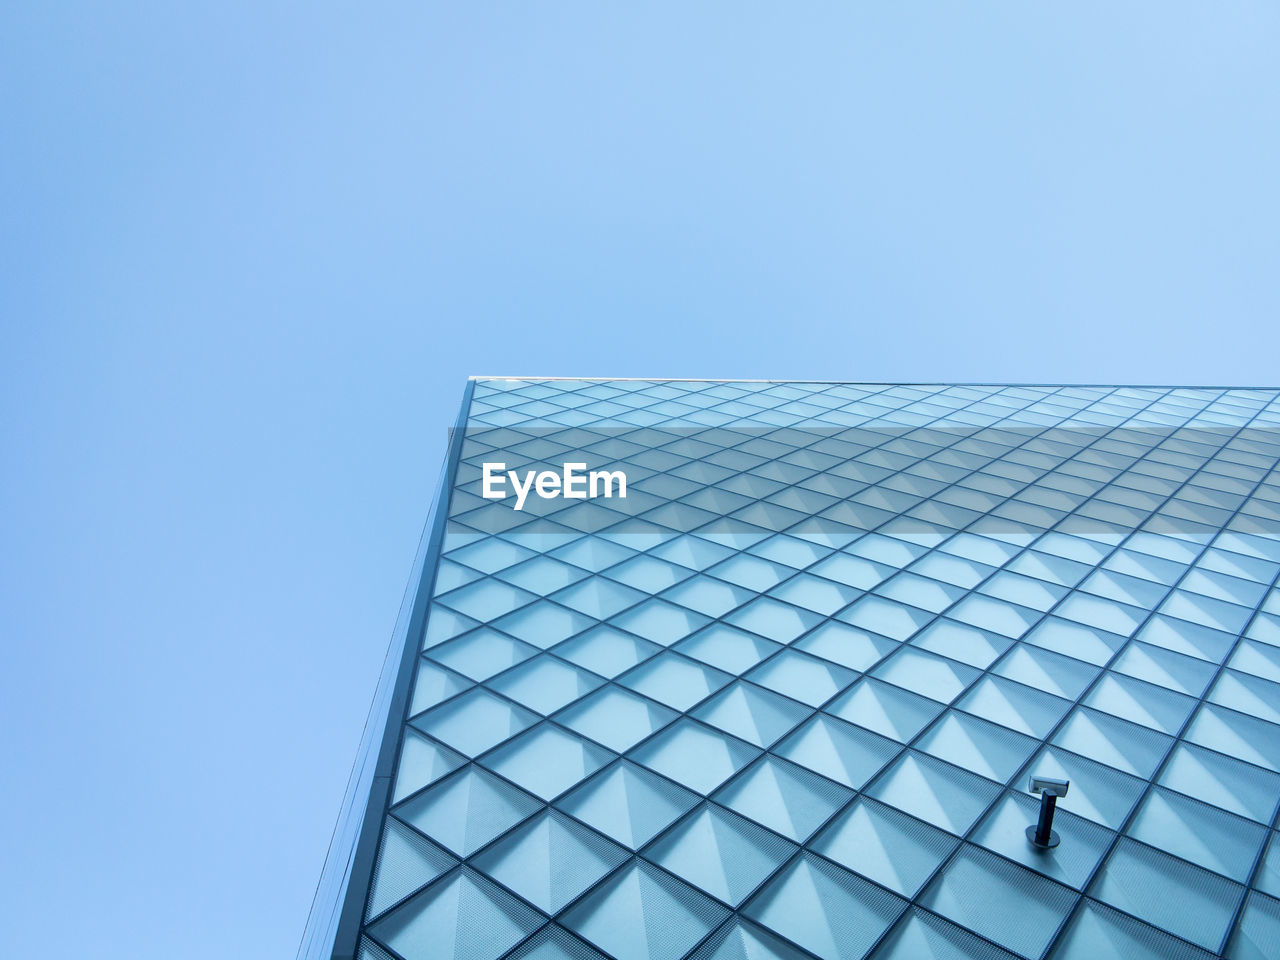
<point>784,698</point>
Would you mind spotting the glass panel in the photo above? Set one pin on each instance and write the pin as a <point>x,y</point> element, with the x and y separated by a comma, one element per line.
<point>1195,831</point>
<point>628,804</point>
<point>1001,901</point>
<point>935,792</point>
<point>642,913</point>
<point>464,916</point>
<point>550,860</point>
<point>466,811</point>
<point>694,755</point>
<point>1097,932</point>
<point>984,748</point>
<point>1072,862</point>
<point>547,761</point>
<point>884,845</point>
<point>720,853</point>
<point>802,677</point>
<point>725,648</point>
<point>616,717</point>
<point>828,911</point>
<point>785,798</point>
<point>1168,893</point>
<point>752,714</point>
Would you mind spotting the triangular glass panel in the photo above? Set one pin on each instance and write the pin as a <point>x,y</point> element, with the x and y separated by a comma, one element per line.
<point>1195,831</point>
<point>720,853</point>
<point>692,552</point>
<point>466,811</point>
<point>1237,735</point>
<point>592,553</point>
<point>839,751</point>
<point>957,641</point>
<point>647,574</point>
<point>406,863</point>
<point>740,940</point>
<point>555,943</point>
<point>1247,694</point>
<point>976,745</point>
<point>547,760</point>
<point>1259,659</point>
<point>542,575</point>
<point>885,845</point>
<point>660,622</point>
<point>752,714</point>
<point>598,597</point>
<point>1075,640</point>
<point>752,573</point>
<point>886,709</point>
<point>826,910</point>
<point>817,594</point>
<point>846,645</point>
<point>1117,743</point>
<point>935,792</point>
<point>550,860</point>
<point>481,653</point>
<point>433,685</point>
<point>606,651</point>
<point>422,762</point>
<point>771,618</point>
<point>628,804</point>
<point>1225,782</point>
<point>675,680</point>
<point>886,617</point>
<point>999,900</point>
<point>695,755</point>
<point>921,935</point>
<point>1096,932</point>
<point>785,798</point>
<point>802,677</point>
<point>721,646</point>
<point>545,684</point>
<point>932,595</point>
<point>1051,672</point>
<point>443,624</point>
<point>642,913</point>
<point>1191,639</point>
<point>491,554</point>
<point>711,598</point>
<point>544,624</point>
<point>1140,702</point>
<point>463,917</point>
<point>1168,893</point>
<point>1015,706</point>
<point>486,599</point>
<point>475,721</point>
<point>616,717</point>
<point>926,674</point>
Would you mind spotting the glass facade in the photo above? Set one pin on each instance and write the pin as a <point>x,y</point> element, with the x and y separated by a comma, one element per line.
<point>784,698</point>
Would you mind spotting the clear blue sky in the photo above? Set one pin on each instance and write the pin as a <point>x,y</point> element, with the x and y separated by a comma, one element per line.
<point>249,253</point>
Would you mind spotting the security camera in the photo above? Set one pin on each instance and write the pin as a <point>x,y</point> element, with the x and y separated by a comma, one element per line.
<point>1049,786</point>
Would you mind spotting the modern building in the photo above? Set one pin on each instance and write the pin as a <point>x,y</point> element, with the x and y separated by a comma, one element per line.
<point>786,696</point>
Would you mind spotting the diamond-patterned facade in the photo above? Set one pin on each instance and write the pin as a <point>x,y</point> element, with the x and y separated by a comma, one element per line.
<point>784,698</point>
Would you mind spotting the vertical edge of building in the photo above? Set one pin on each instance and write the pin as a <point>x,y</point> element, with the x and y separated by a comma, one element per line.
<point>333,925</point>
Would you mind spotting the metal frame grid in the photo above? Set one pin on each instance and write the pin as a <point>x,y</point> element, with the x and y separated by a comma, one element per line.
<point>512,831</point>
